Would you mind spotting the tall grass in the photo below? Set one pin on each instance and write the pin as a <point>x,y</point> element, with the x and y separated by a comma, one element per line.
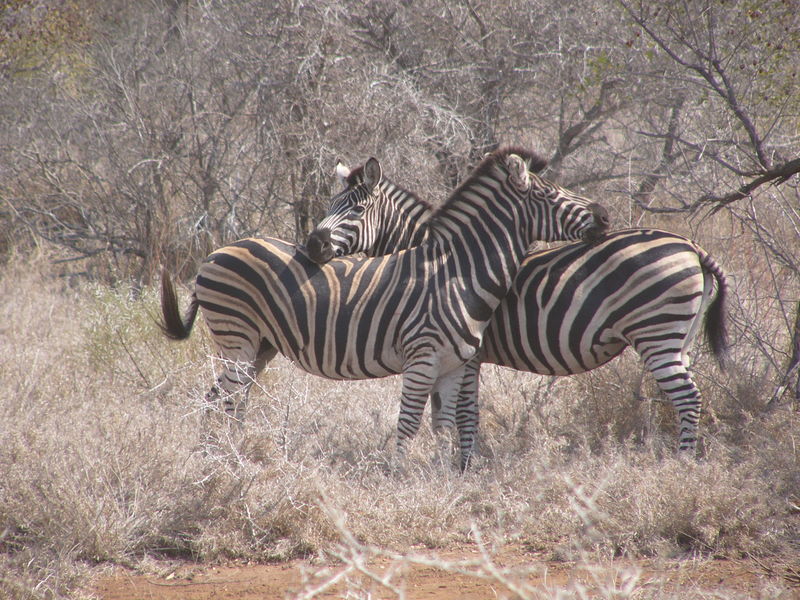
<point>108,454</point>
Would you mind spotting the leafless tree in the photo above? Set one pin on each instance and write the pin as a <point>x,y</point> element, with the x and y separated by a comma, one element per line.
<point>730,64</point>
<point>154,132</point>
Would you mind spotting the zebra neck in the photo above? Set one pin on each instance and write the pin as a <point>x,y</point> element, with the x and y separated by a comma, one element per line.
<point>486,228</point>
<point>399,238</point>
<point>484,270</point>
<point>413,228</point>
<point>403,223</point>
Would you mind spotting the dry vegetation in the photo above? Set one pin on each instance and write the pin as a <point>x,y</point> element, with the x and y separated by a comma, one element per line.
<point>107,456</point>
<point>140,135</point>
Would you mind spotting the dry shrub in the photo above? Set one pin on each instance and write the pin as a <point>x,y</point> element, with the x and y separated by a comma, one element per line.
<point>619,402</point>
<point>259,512</point>
<point>598,457</point>
<point>670,506</point>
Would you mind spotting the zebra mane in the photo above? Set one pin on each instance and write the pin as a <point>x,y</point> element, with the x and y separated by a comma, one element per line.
<point>534,162</point>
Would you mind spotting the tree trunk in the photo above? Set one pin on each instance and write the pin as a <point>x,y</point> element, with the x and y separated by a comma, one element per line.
<point>791,379</point>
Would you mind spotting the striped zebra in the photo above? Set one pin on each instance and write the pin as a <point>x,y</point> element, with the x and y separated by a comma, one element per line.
<point>570,309</point>
<point>420,312</point>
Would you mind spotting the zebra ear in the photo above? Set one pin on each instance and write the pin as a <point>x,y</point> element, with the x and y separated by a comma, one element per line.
<point>342,172</point>
<point>372,173</point>
<point>518,172</point>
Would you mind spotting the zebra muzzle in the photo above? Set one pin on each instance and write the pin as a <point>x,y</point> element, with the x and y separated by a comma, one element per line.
<point>319,246</point>
<point>601,224</point>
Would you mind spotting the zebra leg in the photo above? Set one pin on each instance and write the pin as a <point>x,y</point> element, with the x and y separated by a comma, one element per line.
<point>674,379</point>
<point>419,379</point>
<point>221,429</point>
<point>234,383</point>
<point>442,423</point>
<point>232,388</point>
<point>414,394</point>
<point>467,411</point>
<point>443,411</point>
<point>444,397</point>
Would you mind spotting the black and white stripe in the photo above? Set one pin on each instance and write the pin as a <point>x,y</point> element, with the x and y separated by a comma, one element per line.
<point>570,309</point>
<point>420,312</point>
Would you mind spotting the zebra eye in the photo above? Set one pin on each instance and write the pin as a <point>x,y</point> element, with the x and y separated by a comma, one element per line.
<point>358,210</point>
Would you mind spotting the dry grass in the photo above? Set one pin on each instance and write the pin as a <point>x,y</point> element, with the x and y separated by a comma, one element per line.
<point>106,455</point>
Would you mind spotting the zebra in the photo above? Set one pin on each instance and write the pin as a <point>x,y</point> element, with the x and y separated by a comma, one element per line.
<point>419,312</point>
<point>570,309</point>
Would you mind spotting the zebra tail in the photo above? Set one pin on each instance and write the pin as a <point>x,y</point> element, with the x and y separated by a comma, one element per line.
<point>173,326</point>
<point>716,331</point>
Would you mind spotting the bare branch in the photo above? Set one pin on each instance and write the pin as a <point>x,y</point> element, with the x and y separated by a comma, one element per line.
<point>648,184</point>
<point>712,72</point>
<point>591,118</point>
<point>778,175</point>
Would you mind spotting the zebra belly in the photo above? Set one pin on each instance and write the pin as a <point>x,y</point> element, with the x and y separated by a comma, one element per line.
<point>508,345</point>
<point>353,364</point>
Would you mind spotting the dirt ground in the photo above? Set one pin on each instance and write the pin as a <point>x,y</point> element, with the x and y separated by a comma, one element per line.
<point>708,577</point>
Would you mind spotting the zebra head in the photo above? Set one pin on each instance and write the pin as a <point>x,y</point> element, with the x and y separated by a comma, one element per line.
<point>342,226</point>
<point>371,215</point>
<point>560,213</point>
<point>505,179</point>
